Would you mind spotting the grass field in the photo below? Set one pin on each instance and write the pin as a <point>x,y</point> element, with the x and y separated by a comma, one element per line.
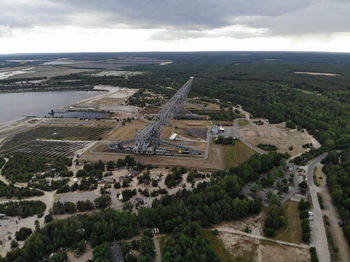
<point>243,122</point>
<point>219,248</point>
<point>292,232</point>
<point>126,132</point>
<point>236,154</point>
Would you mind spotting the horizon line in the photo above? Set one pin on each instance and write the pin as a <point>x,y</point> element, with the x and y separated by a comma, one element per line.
<point>208,51</point>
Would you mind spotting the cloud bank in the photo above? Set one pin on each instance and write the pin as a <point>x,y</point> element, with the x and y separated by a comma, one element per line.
<point>169,20</point>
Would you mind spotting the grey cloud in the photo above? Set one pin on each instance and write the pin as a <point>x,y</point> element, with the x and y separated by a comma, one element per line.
<point>183,18</point>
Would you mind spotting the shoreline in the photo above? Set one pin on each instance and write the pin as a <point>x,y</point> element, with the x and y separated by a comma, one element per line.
<point>46,89</point>
<point>16,123</point>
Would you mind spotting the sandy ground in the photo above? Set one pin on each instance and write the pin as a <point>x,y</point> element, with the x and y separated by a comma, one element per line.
<point>252,247</point>
<point>189,123</point>
<point>8,74</point>
<point>12,227</point>
<point>243,112</point>
<point>316,74</point>
<point>126,132</point>
<point>277,134</point>
<point>19,126</point>
<point>279,253</point>
<point>254,223</point>
<point>113,100</point>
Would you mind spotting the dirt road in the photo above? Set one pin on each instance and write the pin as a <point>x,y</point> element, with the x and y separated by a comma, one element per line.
<point>333,215</point>
<point>235,231</point>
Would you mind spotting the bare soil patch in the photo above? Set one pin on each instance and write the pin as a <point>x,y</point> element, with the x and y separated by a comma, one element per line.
<point>126,132</point>
<point>316,74</point>
<point>272,252</point>
<point>280,136</point>
<point>189,123</point>
<point>254,223</point>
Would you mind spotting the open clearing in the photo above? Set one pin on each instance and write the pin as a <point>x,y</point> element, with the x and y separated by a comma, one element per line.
<point>253,247</point>
<point>280,136</point>
<point>316,74</point>
<point>236,154</point>
<point>189,123</point>
<point>48,71</point>
<point>218,247</point>
<point>292,231</point>
<point>113,100</point>
<point>12,72</point>
<point>243,122</point>
<point>250,249</point>
<point>126,132</point>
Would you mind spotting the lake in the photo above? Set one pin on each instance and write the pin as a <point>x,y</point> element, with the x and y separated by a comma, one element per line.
<point>15,106</point>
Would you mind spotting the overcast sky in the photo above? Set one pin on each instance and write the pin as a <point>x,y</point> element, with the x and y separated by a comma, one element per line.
<point>173,25</point>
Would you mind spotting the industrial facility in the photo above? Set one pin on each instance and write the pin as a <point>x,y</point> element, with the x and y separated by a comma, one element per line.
<point>147,141</point>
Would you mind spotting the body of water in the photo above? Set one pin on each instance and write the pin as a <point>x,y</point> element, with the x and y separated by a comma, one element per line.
<point>15,106</point>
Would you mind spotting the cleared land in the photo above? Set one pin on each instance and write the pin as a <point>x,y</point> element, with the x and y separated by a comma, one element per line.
<point>316,74</point>
<point>126,132</point>
<point>236,154</point>
<point>113,100</point>
<point>279,135</point>
<point>48,71</point>
<point>249,247</point>
<point>189,123</point>
<point>219,247</point>
<point>273,252</point>
<point>243,122</point>
<point>292,232</point>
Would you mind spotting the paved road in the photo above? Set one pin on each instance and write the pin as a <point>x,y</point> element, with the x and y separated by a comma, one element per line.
<point>318,233</point>
<point>235,231</point>
<point>207,146</point>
